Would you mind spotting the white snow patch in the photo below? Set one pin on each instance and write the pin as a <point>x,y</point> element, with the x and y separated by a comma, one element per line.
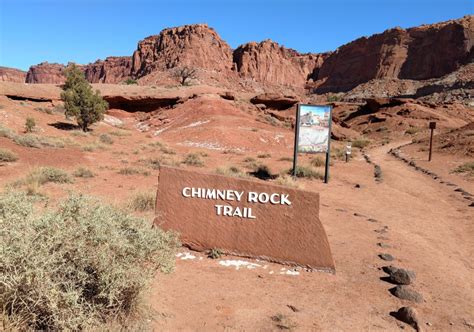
<point>195,124</point>
<point>238,264</point>
<point>187,256</point>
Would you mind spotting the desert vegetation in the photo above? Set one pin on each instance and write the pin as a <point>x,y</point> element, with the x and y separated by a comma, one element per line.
<point>142,201</point>
<point>88,263</point>
<point>7,156</point>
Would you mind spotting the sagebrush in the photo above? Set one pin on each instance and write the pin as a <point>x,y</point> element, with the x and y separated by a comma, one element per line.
<point>77,266</point>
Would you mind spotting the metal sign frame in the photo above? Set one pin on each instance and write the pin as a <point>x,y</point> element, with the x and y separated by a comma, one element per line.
<point>297,132</point>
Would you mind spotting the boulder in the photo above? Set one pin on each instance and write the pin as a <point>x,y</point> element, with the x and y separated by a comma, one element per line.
<point>400,276</point>
<point>275,100</point>
<point>408,315</point>
<point>407,293</point>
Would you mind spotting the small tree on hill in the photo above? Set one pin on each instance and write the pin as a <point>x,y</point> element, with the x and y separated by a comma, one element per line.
<point>183,74</point>
<point>80,101</point>
<point>30,124</point>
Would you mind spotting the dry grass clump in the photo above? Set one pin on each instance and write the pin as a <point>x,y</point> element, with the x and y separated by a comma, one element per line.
<point>412,130</point>
<point>467,168</point>
<point>45,175</point>
<point>307,172</point>
<point>286,159</point>
<point>7,156</point>
<point>106,139</point>
<point>91,147</point>
<point>231,171</point>
<point>318,161</point>
<point>83,172</point>
<point>360,143</point>
<point>6,132</point>
<point>133,171</point>
<point>142,201</point>
<point>249,160</point>
<point>287,181</point>
<point>193,159</point>
<point>78,266</point>
<point>38,142</point>
<point>264,155</point>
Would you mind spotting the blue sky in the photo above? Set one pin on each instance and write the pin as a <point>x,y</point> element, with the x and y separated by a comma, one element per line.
<point>32,31</point>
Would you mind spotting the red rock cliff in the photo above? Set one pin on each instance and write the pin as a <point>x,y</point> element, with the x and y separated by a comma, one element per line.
<point>46,73</point>
<point>274,64</point>
<point>192,45</point>
<point>112,70</point>
<point>12,75</point>
<point>423,52</point>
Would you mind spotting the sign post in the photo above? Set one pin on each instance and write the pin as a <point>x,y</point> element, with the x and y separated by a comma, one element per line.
<point>313,133</point>
<point>432,127</point>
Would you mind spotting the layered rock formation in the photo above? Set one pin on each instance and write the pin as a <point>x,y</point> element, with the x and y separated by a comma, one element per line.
<point>271,63</point>
<point>45,72</point>
<point>423,52</point>
<point>12,75</point>
<point>415,54</point>
<point>196,46</point>
<point>114,69</point>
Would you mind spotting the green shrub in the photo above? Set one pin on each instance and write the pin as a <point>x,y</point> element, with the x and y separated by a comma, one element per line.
<point>83,172</point>
<point>7,156</point>
<point>465,168</point>
<point>78,266</point>
<point>333,98</point>
<point>106,139</point>
<point>215,253</point>
<point>318,161</point>
<point>143,201</point>
<point>30,124</point>
<point>307,172</point>
<point>80,101</point>
<point>360,143</point>
<point>193,159</point>
<point>130,81</point>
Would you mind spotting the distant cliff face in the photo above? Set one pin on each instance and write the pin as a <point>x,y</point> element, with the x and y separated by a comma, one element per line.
<point>45,72</point>
<point>271,63</point>
<point>424,52</point>
<point>112,70</point>
<point>12,75</point>
<point>191,45</point>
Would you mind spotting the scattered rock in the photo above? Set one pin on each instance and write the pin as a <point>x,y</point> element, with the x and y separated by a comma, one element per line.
<point>341,210</point>
<point>406,293</point>
<point>408,315</point>
<point>400,276</point>
<point>227,95</point>
<point>383,245</point>
<point>372,220</point>
<point>275,101</point>
<point>359,215</point>
<point>357,186</point>
<point>386,257</point>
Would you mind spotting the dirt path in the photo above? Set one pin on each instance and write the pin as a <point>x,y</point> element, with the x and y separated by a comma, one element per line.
<point>427,229</point>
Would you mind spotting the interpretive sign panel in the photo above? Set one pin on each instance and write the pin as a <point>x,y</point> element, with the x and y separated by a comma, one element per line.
<point>243,217</point>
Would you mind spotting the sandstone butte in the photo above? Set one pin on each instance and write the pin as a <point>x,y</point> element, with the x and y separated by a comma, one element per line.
<point>424,52</point>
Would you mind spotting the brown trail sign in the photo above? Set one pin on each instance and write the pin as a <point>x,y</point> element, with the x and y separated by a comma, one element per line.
<point>243,217</point>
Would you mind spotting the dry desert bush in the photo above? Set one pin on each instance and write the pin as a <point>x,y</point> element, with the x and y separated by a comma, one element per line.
<point>193,159</point>
<point>142,201</point>
<point>77,266</point>
<point>83,172</point>
<point>7,156</point>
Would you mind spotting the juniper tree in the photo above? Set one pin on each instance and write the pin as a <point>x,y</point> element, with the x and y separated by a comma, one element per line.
<point>80,101</point>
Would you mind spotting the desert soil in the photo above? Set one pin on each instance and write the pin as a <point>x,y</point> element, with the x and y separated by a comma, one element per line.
<point>423,223</point>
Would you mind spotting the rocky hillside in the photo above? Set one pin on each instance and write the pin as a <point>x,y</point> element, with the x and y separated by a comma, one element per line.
<point>12,75</point>
<point>415,54</point>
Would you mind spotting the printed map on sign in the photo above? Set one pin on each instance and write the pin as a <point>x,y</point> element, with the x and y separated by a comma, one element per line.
<point>314,128</point>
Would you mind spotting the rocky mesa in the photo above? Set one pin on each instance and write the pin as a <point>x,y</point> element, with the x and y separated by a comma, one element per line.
<point>420,53</point>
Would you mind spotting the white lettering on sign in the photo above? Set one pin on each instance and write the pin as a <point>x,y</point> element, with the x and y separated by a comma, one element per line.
<point>234,195</point>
